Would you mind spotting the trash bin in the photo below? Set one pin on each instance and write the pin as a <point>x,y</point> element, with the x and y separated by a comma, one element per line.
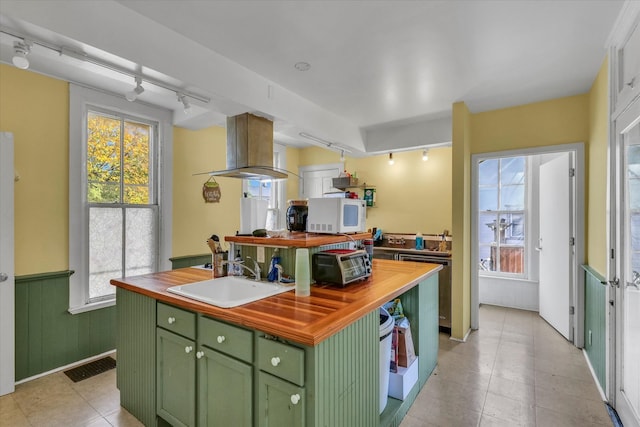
<point>386,328</point>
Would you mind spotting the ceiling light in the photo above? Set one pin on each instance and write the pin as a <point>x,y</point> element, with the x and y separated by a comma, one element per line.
<point>302,66</point>
<point>185,102</point>
<point>342,155</point>
<point>132,95</point>
<point>21,49</point>
<point>425,155</point>
<point>390,158</point>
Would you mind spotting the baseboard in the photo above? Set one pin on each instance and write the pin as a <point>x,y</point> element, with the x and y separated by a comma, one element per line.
<point>464,339</point>
<point>64,368</point>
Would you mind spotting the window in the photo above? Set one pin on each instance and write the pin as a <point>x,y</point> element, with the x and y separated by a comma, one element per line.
<point>121,197</point>
<point>119,194</point>
<point>502,215</point>
<point>270,190</point>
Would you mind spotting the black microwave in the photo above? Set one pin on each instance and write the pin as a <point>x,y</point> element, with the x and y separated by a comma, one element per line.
<point>340,266</point>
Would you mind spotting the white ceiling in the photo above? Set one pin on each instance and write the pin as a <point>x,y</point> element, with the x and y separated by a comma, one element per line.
<point>378,68</point>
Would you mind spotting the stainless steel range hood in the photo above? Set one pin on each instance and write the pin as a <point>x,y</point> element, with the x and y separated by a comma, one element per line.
<point>249,149</point>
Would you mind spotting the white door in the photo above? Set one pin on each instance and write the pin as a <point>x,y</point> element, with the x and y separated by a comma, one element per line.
<point>554,245</point>
<point>628,270</point>
<point>7,292</point>
<point>318,179</point>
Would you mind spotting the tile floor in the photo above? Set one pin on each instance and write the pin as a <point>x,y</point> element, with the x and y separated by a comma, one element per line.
<point>515,371</point>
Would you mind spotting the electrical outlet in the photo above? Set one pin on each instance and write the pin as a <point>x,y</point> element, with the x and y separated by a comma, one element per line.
<point>260,254</point>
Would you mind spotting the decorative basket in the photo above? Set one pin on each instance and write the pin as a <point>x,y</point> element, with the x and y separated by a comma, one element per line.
<point>211,191</point>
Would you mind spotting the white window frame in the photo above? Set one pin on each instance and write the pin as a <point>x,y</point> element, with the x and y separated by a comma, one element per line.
<point>278,189</point>
<point>528,218</point>
<point>81,99</point>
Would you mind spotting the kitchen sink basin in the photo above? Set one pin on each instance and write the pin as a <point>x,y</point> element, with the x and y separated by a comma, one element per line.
<point>229,291</point>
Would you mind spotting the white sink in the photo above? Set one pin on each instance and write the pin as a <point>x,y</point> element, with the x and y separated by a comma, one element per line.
<point>229,291</point>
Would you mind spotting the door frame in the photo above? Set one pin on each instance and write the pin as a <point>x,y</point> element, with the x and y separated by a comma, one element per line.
<point>616,246</point>
<point>315,168</point>
<point>577,287</point>
<point>7,293</point>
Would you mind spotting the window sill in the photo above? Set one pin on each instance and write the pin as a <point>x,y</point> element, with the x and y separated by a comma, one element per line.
<point>93,306</point>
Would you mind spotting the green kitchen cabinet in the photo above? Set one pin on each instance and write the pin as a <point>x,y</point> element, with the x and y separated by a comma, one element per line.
<point>176,379</point>
<point>281,403</point>
<point>225,390</point>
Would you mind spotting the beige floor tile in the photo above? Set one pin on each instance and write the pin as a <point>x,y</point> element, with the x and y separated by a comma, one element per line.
<point>581,410</point>
<point>10,413</point>
<point>549,418</point>
<point>122,418</point>
<point>447,390</point>
<point>551,383</point>
<point>410,421</point>
<point>513,389</point>
<point>518,412</point>
<point>445,413</point>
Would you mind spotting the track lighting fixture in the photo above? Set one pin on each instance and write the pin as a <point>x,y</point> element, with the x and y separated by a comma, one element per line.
<point>21,49</point>
<point>390,158</point>
<point>185,102</point>
<point>133,94</point>
<point>342,155</point>
<point>425,155</point>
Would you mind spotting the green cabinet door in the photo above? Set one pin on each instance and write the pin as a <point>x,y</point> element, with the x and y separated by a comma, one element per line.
<point>176,378</point>
<point>280,403</point>
<point>225,390</point>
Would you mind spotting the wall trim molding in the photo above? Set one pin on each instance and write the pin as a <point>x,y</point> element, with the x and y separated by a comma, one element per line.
<point>43,276</point>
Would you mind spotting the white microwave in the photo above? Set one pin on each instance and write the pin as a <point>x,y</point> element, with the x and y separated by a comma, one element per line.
<point>336,215</point>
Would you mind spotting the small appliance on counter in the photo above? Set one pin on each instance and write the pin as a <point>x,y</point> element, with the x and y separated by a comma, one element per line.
<point>336,215</point>
<point>297,215</point>
<point>340,266</point>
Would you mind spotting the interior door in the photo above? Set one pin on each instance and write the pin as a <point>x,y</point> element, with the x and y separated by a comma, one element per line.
<point>554,244</point>
<point>7,290</point>
<point>628,283</point>
<point>317,180</point>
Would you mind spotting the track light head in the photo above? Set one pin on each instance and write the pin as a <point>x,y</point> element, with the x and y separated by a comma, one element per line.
<point>133,94</point>
<point>185,102</point>
<point>21,49</point>
<point>391,158</point>
<point>342,155</point>
<point>425,155</point>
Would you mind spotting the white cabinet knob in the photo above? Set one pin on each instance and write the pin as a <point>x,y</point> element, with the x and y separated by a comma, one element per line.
<point>275,361</point>
<point>221,339</point>
<point>171,320</point>
<point>199,354</point>
<point>295,398</point>
<point>188,349</point>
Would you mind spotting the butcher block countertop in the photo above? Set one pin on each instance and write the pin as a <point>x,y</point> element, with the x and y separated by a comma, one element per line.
<point>305,320</point>
<point>298,239</point>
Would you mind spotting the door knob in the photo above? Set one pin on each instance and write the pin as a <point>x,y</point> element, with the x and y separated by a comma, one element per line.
<point>3,277</point>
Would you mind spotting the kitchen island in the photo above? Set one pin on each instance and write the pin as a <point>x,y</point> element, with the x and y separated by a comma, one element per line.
<point>283,360</point>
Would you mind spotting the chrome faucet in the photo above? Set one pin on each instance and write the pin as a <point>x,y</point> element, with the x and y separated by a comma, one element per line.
<point>256,273</point>
<point>256,268</point>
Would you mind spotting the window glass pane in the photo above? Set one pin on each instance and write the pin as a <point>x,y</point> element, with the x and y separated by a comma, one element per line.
<point>512,229</point>
<point>512,198</point>
<point>105,250</point>
<point>103,159</point>
<point>488,199</point>
<point>633,175</point>
<point>512,171</point>
<point>488,172</point>
<point>486,228</point>
<point>136,163</point>
<point>486,263</point>
<point>140,241</point>
<point>512,259</point>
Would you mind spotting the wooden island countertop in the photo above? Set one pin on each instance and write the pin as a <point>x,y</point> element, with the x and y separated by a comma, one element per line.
<point>305,320</point>
<point>297,239</point>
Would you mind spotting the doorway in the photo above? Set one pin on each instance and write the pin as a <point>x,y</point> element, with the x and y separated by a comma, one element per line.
<point>318,179</point>
<point>507,254</point>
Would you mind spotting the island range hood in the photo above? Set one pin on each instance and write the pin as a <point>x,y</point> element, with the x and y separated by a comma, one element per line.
<point>249,149</point>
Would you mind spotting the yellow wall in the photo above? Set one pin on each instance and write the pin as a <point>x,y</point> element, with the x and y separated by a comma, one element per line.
<point>596,251</point>
<point>412,195</point>
<point>194,220</point>
<point>461,244</point>
<point>35,109</point>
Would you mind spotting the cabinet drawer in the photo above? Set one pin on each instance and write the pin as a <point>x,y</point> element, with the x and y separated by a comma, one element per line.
<point>282,360</point>
<point>228,339</point>
<point>177,320</point>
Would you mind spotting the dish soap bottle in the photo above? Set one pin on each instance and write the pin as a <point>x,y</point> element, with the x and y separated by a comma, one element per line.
<point>419,242</point>
<point>273,270</point>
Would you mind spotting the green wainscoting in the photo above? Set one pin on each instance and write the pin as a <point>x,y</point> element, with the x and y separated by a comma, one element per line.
<point>189,260</point>
<point>595,312</point>
<point>47,335</point>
